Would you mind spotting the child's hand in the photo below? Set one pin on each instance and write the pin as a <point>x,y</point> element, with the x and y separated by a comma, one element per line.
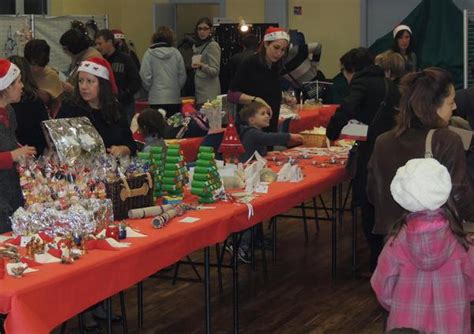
<point>23,152</point>
<point>295,139</point>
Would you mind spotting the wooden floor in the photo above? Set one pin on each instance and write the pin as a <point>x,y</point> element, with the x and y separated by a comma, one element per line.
<point>299,296</point>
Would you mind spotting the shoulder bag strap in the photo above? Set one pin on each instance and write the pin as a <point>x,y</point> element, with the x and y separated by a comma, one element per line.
<point>428,146</point>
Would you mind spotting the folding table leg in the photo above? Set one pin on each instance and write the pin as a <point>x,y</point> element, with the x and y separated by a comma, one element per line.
<point>108,307</point>
<point>235,287</point>
<point>124,312</point>
<point>316,217</point>
<point>140,304</point>
<point>207,289</point>
<point>354,238</point>
<point>334,234</point>
<point>305,222</point>
<point>274,238</point>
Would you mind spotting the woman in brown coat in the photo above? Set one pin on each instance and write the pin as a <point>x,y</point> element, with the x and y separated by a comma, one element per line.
<point>427,102</point>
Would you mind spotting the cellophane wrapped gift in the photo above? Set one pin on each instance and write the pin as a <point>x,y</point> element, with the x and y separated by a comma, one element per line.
<point>73,139</point>
<point>85,217</point>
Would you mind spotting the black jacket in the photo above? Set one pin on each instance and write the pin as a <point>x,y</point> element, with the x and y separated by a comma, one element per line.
<point>126,76</point>
<point>29,115</point>
<point>367,90</point>
<point>113,134</point>
<point>256,79</point>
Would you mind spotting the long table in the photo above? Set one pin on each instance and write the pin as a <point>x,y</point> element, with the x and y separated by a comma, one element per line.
<point>40,301</point>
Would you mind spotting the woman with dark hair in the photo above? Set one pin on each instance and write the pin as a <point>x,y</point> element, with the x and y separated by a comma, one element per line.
<point>206,62</point>
<point>163,73</point>
<point>427,102</point>
<point>77,45</point>
<point>258,77</point>
<point>30,111</point>
<point>403,44</point>
<point>95,98</point>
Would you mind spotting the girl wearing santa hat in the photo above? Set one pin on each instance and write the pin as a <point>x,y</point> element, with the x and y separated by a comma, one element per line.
<point>11,152</point>
<point>95,98</point>
<point>403,44</point>
<point>258,77</point>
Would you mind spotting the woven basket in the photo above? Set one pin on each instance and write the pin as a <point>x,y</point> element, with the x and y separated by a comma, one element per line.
<point>313,139</point>
<point>130,193</point>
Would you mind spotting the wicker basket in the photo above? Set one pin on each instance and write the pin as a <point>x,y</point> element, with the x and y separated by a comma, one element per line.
<point>130,193</point>
<point>314,139</point>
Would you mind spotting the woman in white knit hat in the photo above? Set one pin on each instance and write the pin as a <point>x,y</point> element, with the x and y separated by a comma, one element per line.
<point>403,44</point>
<point>11,152</point>
<point>425,273</point>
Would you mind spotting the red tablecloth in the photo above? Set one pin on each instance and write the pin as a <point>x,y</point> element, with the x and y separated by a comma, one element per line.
<point>41,301</point>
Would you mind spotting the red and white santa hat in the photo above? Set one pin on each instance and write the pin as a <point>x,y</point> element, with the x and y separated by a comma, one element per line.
<point>401,27</point>
<point>100,68</point>
<point>118,34</point>
<point>8,73</point>
<point>275,33</point>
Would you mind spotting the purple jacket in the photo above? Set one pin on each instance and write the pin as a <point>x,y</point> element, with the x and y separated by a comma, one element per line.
<point>425,278</point>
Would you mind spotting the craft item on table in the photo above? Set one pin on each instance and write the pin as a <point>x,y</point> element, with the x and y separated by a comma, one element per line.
<point>233,176</point>
<point>173,200</point>
<point>252,172</point>
<point>268,175</point>
<point>315,137</point>
<point>149,211</point>
<point>213,112</point>
<point>66,257</point>
<point>231,147</point>
<point>290,173</point>
<point>73,139</point>
<point>175,174</point>
<point>161,220</point>
<point>112,231</point>
<point>16,269</point>
<point>243,198</point>
<point>289,112</point>
<point>156,159</point>
<point>207,183</point>
<point>354,130</point>
<point>122,230</point>
<point>82,218</point>
<point>10,252</point>
<point>46,258</point>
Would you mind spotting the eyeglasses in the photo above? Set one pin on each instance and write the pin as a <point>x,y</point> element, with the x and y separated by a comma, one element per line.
<point>203,28</point>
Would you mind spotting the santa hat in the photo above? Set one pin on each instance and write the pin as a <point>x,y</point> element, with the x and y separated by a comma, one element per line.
<point>118,34</point>
<point>100,68</point>
<point>275,33</point>
<point>422,184</point>
<point>8,73</point>
<point>400,28</point>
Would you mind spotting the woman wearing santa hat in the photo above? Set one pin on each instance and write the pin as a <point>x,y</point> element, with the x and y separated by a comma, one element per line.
<point>403,44</point>
<point>11,152</point>
<point>258,77</point>
<point>95,98</point>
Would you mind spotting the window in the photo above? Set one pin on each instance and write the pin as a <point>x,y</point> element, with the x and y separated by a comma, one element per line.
<point>12,7</point>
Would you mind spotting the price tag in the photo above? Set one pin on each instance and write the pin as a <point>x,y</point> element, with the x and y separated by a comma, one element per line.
<point>24,241</point>
<point>261,189</point>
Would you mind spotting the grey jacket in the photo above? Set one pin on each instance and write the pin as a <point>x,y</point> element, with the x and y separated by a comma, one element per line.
<point>206,79</point>
<point>163,74</point>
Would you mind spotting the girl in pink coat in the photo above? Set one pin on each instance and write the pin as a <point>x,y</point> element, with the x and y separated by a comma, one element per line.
<point>425,273</point>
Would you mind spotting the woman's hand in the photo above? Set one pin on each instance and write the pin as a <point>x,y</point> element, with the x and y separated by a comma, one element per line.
<point>118,150</point>
<point>262,101</point>
<point>197,65</point>
<point>23,152</point>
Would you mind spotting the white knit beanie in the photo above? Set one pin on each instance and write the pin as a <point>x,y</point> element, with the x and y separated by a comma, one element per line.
<point>422,184</point>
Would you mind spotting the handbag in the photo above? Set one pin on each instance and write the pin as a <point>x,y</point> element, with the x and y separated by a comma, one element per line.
<point>354,152</point>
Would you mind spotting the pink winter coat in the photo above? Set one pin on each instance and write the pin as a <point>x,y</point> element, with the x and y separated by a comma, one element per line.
<point>425,278</point>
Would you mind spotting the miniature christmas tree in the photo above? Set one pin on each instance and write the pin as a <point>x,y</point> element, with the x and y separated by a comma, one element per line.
<point>207,182</point>
<point>155,159</point>
<point>231,147</point>
<point>175,174</point>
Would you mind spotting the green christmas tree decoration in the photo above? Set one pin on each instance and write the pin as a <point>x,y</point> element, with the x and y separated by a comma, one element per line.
<point>175,174</point>
<point>206,179</point>
<point>155,158</point>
